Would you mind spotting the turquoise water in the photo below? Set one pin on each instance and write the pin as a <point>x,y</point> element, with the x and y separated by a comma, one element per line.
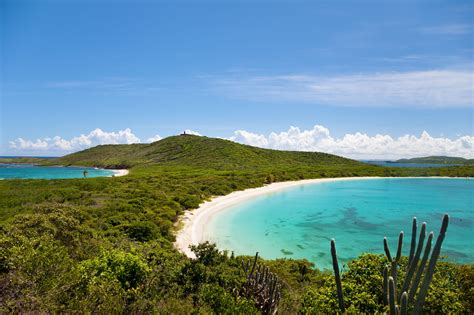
<point>299,222</point>
<point>29,171</point>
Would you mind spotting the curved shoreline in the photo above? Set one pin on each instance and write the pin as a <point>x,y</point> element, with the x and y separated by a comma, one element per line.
<point>194,222</point>
<point>118,173</point>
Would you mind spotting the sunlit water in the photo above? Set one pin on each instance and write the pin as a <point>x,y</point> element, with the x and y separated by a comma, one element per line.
<point>299,222</point>
<point>29,171</point>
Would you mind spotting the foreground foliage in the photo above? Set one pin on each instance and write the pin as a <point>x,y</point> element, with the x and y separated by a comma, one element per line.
<point>105,244</point>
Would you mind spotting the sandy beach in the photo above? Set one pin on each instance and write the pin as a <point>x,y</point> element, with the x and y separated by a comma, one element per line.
<point>118,173</point>
<point>194,222</point>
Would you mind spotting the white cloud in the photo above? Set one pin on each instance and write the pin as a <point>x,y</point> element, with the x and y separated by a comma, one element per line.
<point>359,145</point>
<point>154,138</point>
<point>448,29</point>
<point>191,132</point>
<point>436,88</point>
<point>35,145</point>
<point>95,137</point>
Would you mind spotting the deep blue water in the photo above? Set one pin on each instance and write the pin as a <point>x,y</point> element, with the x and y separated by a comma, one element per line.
<point>299,222</point>
<point>29,171</point>
<point>393,164</point>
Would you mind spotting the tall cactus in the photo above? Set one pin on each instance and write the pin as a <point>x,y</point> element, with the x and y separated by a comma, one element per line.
<point>414,273</point>
<point>415,268</point>
<point>262,285</point>
<point>335,266</point>
<point>431,266</point>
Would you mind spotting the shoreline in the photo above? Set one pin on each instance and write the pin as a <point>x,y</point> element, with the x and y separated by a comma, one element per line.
<point>118,173</point>
<point>192,223</point>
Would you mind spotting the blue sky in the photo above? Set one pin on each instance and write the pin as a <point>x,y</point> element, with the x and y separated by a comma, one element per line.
<point>357,69</point>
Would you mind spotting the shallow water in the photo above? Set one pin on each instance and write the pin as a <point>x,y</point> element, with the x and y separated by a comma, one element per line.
<point>29,171</point>
<point>299,222</point>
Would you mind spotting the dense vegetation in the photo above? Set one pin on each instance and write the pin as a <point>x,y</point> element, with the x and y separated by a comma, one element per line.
<point>105,244</point>
<point>438,160</point>
<point>23,160</point>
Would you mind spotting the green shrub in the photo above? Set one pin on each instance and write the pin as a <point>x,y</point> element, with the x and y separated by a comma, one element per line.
<point>141,231</point>
<point>127,269</point>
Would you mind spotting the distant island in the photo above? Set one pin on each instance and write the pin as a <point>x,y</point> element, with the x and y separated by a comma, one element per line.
<point>438,160</point>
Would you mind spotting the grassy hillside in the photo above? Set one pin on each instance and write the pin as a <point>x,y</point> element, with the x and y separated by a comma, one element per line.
<point>104,245</point>
<point>197,152</point>
<point>438,160</point>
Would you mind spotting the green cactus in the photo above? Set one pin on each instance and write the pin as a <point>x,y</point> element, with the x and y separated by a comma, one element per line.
<point>413,274</point>
<point>391,295</point>
<point>335,266</point>
<point>404,303</point>
<point>410,285</point>
<point>262,285</point>
<point>431,266</point>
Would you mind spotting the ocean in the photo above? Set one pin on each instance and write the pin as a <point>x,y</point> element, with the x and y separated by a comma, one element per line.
<point>299,222</point>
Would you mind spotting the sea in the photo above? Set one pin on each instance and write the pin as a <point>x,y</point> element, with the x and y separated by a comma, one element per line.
<point>30,171</point>
<point>300,221</point>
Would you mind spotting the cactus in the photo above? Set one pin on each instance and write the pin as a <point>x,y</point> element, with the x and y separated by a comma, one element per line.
<point>394,261</point>
<point>415,270</point>
<point>385,285</point>
<point>262,285</point>
<point>335,266</point>
<point>391,295</point>
<point>431,266</point>
<point>404,303</point>
<point>410,286</point>
<point>420,270</point>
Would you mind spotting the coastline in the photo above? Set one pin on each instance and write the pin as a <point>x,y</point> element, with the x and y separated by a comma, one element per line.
<point>118,173</point>
<point>193,222</point>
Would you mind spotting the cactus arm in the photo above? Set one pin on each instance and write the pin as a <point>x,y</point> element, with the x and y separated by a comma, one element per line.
<point>385,285</point>
<point>413,241</point>
<point>404,304</point>
<point>254,264</point>
<point>431,266</point>
<point>414,262</point>
<point>387,249</point>
<point>335,266</point>
<point>393,273</point>
<point>400,244</point>
<point>391,296</point>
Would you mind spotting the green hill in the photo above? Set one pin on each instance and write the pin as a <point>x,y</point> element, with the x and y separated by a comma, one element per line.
<point>438,160</point>
<point>197,151</point>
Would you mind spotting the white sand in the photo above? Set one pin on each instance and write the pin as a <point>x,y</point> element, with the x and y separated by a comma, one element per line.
<point>195,221</point>
<point>120,172</point>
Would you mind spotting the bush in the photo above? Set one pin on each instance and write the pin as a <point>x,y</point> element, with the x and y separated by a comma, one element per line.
<point>115,266</point>
<point>141,231</point>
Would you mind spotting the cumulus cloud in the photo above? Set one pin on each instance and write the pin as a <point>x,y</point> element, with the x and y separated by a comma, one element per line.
<point>154,138</point>
<point>95,137</point>
<point>359,145</point>
<point>436,88</point>
<point>192,132</point>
